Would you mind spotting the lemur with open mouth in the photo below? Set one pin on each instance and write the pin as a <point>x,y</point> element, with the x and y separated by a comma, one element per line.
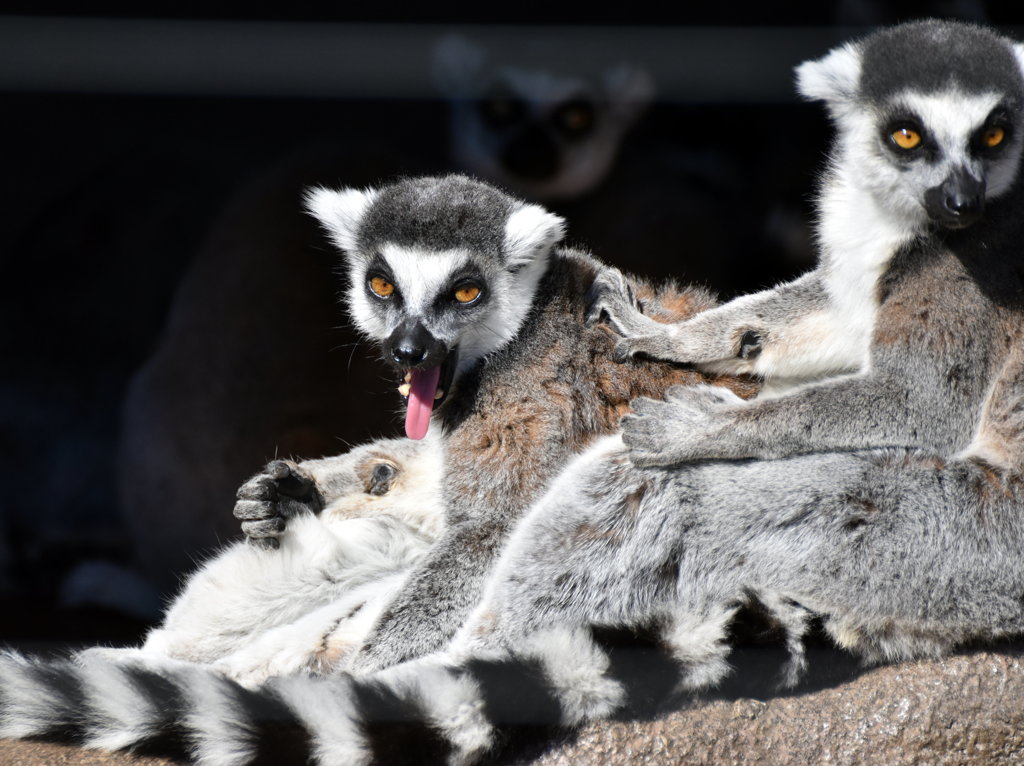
<point>469,298</point>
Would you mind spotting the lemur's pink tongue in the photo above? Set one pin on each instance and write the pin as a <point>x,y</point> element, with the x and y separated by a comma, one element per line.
<point>422,389</point>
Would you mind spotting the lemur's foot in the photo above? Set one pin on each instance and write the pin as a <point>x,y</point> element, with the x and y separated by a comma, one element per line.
<point>269,499</point>
<point>611,300</point>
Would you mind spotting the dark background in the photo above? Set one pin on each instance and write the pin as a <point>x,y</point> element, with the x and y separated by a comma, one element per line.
<point>131,168</point>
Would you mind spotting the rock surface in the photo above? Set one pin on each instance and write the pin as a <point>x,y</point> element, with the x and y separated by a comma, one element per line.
<point>964,709</point>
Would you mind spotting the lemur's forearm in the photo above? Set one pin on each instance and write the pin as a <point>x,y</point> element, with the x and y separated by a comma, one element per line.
<point>436,598</point>
<point>857,412</point>
<point>789,332</point>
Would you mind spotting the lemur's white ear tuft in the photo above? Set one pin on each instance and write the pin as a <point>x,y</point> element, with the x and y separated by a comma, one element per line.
<point>531,232</point>
<point>834,77</point>
<point>340,212</point>
<point>1018,52</point>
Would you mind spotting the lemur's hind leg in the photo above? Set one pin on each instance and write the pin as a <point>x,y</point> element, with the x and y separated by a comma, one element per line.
<point>679,551</point>
<point>599,550</point>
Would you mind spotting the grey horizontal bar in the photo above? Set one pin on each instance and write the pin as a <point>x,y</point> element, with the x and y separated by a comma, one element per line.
<point>330,60</point>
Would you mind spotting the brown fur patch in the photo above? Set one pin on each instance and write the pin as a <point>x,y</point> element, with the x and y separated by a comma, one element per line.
<point>631,503</point>
<point>864,505</point>
<point>586,532</point>
<point>674,306</point>
<point>331,653</point>
<point>989,482</point>
<point>909,460</point>
<point>669,303</point>
<point>554,400</point>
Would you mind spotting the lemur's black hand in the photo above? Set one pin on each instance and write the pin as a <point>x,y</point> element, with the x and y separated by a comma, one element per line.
<point>266,502</point>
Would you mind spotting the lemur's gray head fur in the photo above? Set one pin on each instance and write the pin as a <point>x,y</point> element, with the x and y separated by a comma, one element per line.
<point>442,270</point>
<point>929,115</point>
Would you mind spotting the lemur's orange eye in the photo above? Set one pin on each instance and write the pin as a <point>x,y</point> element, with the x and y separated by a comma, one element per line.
<point>467,293</point>
<point>905,138</point>
<point>575,117</point>
<point>381,287</point>
<point>993,136</point>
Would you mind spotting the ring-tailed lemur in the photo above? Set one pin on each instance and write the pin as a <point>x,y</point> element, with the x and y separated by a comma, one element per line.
<point>356,524</point>
<point>547,134</point>
<point>465,291</point>
<point>908,158</point>
<point>902,551</point>
<point>927,138</point>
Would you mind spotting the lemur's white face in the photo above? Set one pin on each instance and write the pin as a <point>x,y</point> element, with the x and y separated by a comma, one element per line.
<point>929,150</point>
<point>436,313</point>
<point>934,158</point>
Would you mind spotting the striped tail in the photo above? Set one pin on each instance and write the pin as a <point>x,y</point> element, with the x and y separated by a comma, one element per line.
<point>442,710</point>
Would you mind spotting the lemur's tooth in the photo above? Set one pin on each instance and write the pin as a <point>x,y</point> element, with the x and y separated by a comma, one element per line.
<point>404,389</point>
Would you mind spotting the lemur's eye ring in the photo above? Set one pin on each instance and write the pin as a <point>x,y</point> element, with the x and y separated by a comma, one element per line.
<point>905,138</point>
<point>381,287</point>
<point>467,293</point>
<point>993,136</point>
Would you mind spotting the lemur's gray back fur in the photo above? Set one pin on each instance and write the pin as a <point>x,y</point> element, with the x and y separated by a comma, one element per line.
<point>891,509</point>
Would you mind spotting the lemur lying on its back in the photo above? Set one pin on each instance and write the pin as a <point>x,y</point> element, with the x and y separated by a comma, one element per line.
<point>356,524</point>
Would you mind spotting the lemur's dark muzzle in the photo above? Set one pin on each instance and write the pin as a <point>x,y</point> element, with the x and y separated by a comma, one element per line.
<point>531,154</point>
<point>411,345</point>
<point>958,201</point>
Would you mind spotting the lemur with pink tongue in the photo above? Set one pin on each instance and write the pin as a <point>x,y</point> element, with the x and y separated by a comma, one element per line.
<point>469,298</point>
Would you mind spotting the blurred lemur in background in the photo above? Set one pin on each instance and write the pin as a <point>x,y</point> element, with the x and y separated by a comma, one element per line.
<point>543,134</point>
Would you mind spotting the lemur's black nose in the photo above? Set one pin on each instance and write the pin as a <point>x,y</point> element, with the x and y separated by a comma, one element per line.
<point>531,154</point>
<point>408,355</point>
<point>961,204</point>
<point>958,201</point>
<point>412,345</point>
